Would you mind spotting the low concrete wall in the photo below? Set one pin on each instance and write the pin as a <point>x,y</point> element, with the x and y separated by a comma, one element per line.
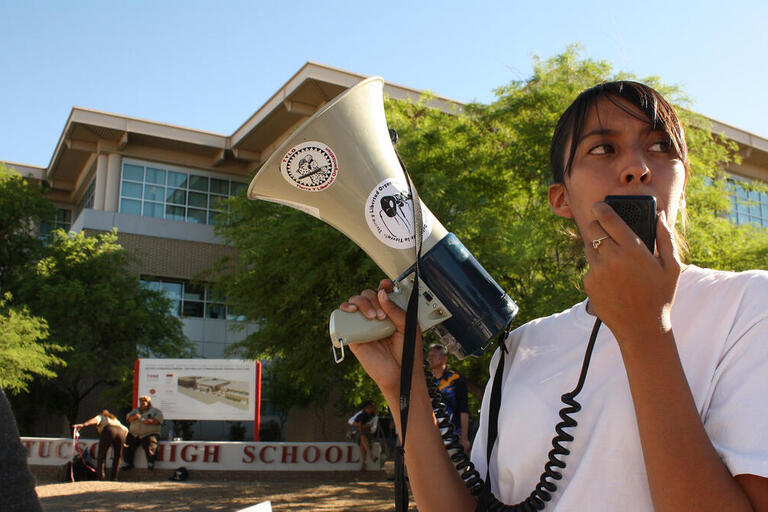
<point>217,456</point>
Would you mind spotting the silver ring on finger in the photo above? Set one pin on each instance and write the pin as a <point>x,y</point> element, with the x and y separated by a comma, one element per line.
<point>597,241</point>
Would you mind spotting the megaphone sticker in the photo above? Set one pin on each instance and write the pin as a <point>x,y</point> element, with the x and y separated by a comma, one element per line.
<point>310,166</point>
<point>389,213</point>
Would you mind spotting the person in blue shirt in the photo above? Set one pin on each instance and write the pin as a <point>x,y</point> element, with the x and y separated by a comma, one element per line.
<point>454,391</point>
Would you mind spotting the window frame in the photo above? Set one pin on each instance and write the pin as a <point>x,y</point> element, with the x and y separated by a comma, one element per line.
<point>208,208</point>
<point>743,202</point>
<point>205,302</point>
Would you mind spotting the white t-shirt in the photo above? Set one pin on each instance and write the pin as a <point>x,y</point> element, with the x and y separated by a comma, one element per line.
<point>105,421</point>
<point>720,322</point>
<point>373,422</point>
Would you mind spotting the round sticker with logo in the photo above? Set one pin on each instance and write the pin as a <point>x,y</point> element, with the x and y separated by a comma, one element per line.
<point>310,166</point>
<point>389,213</point>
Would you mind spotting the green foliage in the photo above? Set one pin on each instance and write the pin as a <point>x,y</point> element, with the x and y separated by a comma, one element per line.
<point>484,173</point>
<point>301,266</point>
<point>23,351</point>
<point>92,303</point>
<point>714,241</point>
<point>75,293</point>
<point>22,207</point>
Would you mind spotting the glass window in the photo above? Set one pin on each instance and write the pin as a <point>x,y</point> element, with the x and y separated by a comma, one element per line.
<point>235,313</point>
<point>174,212</point>
<point>133,172</point>
<point>152,285</point>
<point>236,188</point>
<point>153,210</point>
<point>198,200</point>
<point>156,176</point>
<point>45,229</point>
<point>176,196</point>
<point>87,199</point>
<point>154,193</point>
<point>215,310</point>
<point>748,206</point>
<point>131,190</point>
<point>177,179</point>
<point>217,218</point>
<point>196,216</point>
<point>218,203</point>
<point>191,299</point>
<point>187,197</point>
<point>198,183</point>
<point>189,308</point>
<point>175,307</point>
<point>130,206</point>
<point>219,186</point>
<point>172,289</point>
<point>194,292</point>
<point>63,218</point>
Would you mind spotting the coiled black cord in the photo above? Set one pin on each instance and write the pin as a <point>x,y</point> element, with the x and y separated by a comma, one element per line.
<point>545,488</point>
<point>453,446</point>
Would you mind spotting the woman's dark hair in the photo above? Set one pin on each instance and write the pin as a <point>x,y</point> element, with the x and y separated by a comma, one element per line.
<point>108,414</point>
<point>656,111</point>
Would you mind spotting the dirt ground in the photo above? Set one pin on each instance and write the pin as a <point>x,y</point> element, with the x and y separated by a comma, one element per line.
<point>141,490</point>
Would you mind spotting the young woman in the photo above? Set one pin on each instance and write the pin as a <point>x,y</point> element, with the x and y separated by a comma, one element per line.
<point>673,413</point>
<point>111,434</point>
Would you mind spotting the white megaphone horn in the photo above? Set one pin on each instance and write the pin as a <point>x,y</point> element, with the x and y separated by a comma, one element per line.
<point>341,167</point>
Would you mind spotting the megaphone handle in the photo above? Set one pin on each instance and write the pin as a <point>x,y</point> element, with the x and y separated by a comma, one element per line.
<point>347,328</point>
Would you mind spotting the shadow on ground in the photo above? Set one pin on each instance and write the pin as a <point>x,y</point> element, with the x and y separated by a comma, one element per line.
<point>290,492</point>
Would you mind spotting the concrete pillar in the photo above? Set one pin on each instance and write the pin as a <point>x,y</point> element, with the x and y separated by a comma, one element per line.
<point>101,182</point>
<point>112,189</point>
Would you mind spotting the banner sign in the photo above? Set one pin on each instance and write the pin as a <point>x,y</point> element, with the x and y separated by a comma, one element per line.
<point>218,456</point>
<point>200,389</point>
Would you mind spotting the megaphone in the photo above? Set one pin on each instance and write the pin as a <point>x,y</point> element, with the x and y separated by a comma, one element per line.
<point>340,166</point>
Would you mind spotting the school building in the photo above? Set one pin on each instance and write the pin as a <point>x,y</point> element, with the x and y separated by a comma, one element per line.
<point>162,187</point>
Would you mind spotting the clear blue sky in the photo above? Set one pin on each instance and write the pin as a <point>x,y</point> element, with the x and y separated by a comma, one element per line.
<point>209,65</point>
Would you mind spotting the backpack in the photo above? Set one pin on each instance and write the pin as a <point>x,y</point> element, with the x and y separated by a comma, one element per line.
<point>80,468</point>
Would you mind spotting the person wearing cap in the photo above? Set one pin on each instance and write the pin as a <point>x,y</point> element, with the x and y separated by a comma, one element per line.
<point>144,424</point>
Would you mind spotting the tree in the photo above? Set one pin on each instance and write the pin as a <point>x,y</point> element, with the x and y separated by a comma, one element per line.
<point>23,351</point>
<point>484,173</point>
<point>92,303</point>
<point>22,207</point>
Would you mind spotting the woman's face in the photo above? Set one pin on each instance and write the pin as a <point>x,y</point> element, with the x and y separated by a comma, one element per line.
<point>619,154</point>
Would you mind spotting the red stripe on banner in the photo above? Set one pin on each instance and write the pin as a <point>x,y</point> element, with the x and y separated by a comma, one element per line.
<point>136,368</point>
<point>257,415</point>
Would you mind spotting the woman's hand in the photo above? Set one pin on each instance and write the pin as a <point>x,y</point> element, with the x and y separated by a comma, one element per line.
<point>381,359</point>
<point>630,289</point>
<point>433,479</point>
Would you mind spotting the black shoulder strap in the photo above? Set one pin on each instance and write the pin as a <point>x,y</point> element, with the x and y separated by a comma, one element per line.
<point>493,426</point>
<point>409,349</point>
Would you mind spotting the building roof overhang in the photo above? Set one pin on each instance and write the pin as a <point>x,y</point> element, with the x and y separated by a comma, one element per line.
<point>90,133</point>
<point>753,150</point>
